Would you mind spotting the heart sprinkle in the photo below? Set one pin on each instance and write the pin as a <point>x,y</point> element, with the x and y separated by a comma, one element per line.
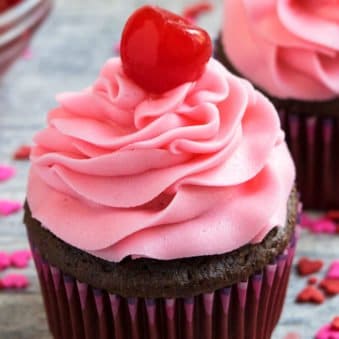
<point>311,294</point>
<point>4,261</point>
<point>14,281</point>
<point>330,286</point>
<point>333,271</point>
<point>330,331</point>
<point>22,153</point>
<point>8,207</point>
<point>6,172</point>
<point>312,280</point>
<point>20,259</point>
<point>307,266</point>
<point>194,11</point>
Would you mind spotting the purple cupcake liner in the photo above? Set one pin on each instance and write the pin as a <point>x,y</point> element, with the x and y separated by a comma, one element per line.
<point>314,145</point>
<point>249,309</point>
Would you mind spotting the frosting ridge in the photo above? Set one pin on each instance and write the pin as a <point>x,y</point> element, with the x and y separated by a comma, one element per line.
<point>289,48</point>
<point>201,169</point>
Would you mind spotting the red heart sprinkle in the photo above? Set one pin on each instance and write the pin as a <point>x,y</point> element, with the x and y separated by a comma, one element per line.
<point>194,11</point>
<point>335,324</point>
<point>22,153</point>
<point>312,280</point>
<point>330,286</point>
<point>307,266</point>
<point>334,215</point>
<point>311,294</point>
<point>161,50</point>
<point>20,259</point>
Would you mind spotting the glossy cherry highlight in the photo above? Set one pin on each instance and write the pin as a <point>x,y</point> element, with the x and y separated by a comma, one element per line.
<point>161,50</point>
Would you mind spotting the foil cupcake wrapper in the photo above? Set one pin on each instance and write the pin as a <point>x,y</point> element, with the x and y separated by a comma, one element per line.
<point>314,146</point>
<point>249,309</point>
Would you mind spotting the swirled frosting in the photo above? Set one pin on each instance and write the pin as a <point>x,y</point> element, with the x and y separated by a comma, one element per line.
<point>289,48</point>
<point>201,169</point>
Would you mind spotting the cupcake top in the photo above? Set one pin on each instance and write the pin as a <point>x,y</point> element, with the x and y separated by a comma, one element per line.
<point>197,167</point>
<point>289,48</point>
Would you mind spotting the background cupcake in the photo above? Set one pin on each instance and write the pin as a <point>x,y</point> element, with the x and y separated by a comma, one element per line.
<point>19,20</point>
<point>171,208</point>
<point>289,50</point>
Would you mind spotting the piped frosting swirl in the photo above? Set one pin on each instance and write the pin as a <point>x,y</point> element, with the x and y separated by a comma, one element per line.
<point>289,48</point>
<point>202,169</point>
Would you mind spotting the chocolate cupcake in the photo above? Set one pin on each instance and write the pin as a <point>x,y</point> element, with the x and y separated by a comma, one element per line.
<point>162,206</point>
<point>290,52</point>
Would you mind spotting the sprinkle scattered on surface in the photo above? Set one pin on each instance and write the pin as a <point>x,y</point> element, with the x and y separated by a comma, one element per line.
<point>14,281</point>
<point>333,271</point>
<point>6,172</point>
<point>308,266</point>
<point>335,324</point>
<point>20,259</point>
<point>4,261</point>
<point>329,331</point>
<point>312,280</point>
<point>194,11</point>
<point>22,153</point>
<point>322,224</point>
<point>333,215</point>
<point>330,286</point>
<point>311,294</point>
<point>8,207</point>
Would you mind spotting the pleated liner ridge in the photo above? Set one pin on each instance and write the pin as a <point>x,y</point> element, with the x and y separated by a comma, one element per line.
<point>314,144</point>
<point>249,309</point>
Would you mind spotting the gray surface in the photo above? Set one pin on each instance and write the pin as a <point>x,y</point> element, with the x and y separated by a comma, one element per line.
<point>67,54</point>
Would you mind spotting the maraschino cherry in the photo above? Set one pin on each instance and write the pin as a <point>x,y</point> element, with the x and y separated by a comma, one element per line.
<point>161,50</point>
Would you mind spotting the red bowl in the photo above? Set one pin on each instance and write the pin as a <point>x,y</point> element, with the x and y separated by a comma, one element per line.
<point>17,26</point>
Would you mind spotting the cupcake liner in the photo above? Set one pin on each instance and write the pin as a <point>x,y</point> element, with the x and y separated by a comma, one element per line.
<point>314,145</point>
<point>248,309</point>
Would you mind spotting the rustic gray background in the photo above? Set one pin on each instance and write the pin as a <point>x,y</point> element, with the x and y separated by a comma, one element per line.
<point>67,54</point>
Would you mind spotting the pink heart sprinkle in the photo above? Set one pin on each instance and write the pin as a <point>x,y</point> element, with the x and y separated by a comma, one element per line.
<point>326,332</point>
<point>306,221</point>
<point>320,225</point>
<point>6,172</point>
<point>8,207</point>
<point>324,226</point>
<point>20,259</point>
<point>4,261</point>
<point>333,271</point>
<point>17,281</point>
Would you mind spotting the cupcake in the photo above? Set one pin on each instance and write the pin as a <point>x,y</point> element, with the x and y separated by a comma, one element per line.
<point>161,200</point>
<point>290,51</point>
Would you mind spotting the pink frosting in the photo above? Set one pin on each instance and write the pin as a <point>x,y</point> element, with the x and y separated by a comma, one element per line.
<point>202,169</point>
<point>290,48</point>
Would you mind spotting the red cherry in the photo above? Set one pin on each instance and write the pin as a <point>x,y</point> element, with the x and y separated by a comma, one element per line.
<point>161,50</point>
